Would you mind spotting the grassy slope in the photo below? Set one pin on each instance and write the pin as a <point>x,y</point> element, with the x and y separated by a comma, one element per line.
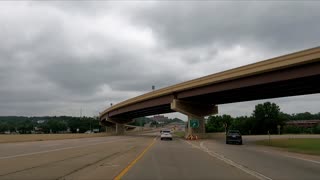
<point>307,146</point>
<point>42,137</point>
<point>179,133</point>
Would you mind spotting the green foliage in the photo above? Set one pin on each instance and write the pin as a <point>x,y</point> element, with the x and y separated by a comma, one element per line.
<point>316,129</point>
<point>292,130</point>
<point>265,117</point>
<point>218,123</point>
<point>243,124</point>
<point>141,121</point>
<point>301,145</point>
<point>304,116</point>
<point>25,125</point>
<point>175,120</point>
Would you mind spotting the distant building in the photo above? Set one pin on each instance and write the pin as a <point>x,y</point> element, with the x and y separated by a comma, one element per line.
<point>38,130</point>
<point>41,121</point>
<point>160,119</point>
<point>303,123</point>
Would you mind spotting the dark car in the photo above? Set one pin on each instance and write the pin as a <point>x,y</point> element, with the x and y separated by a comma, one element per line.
<point>233,136</point>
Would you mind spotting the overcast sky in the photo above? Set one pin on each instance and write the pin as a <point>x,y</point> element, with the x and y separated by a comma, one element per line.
<point>59,57</point>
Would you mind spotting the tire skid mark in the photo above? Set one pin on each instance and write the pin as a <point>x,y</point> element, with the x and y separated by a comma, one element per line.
<point>60,149</point>
<point>95,162</point>
<point>67,159</point>
<point>43,165</point>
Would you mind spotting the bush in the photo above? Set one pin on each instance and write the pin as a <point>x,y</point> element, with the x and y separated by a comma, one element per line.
<point>299,130</point>
<point>316,129</point>
<point>292,130</point>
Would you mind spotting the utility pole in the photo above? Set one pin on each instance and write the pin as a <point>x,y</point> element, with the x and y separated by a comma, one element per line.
<point>90,126</point>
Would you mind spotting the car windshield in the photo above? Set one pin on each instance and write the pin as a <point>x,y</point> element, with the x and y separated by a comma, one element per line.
<point>234,134</point>
<point>233,131</point>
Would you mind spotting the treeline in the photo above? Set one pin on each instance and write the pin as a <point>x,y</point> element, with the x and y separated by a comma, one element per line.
<point>61,124</point>
<point>47,124</point>
<point>266,117</point>
<point>145,120</point>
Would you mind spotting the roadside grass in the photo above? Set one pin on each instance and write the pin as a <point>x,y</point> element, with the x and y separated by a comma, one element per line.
<point>179,134</point>
<point>300,145</point>
<point>9,138</point>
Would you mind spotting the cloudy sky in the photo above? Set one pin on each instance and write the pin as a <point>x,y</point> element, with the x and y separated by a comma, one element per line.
<point>62,56</point>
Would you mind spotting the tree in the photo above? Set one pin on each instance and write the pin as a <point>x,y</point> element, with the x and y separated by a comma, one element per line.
<point>304,116</point>
<point>316,129</point>
<point>266,118</point>
<point>243,124</point>
<point>26,126</point>
<point>57,125</point>
<point>218,123</point>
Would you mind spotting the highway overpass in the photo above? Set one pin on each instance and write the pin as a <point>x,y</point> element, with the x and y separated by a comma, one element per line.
<point>289,75</point>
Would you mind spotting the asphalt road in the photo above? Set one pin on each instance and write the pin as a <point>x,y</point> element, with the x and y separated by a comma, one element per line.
<point>213,159</point>
<point>178,160</point>
<point>143,157</point>
<point>86,158</point>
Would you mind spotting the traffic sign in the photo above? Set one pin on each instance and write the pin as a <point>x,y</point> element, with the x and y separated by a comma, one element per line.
<point>194,123</point>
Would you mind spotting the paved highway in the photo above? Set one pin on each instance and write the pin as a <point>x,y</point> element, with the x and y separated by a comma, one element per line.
<point>178,160</point>
<point>135,157</point>
<point>213,159</point>
<point>87,158</point>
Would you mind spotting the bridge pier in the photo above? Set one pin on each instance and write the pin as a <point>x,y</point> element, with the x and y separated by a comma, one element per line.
<point>120,129</point>
<point>196,113</point>
<point>113,127</point>
<point>198,131</point>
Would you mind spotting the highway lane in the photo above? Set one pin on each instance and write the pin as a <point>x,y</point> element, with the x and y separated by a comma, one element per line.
<point>90,158</point>
<point>178,160</point>
<point>212,159</point>
<point>271,162</point>
<point>8,150</point>
<point>106,157</point>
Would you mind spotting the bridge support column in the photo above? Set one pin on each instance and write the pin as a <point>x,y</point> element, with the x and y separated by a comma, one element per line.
<point>112,127</point>
<point>197,130</point>
<point>120,129</point>
<point>196,113</point>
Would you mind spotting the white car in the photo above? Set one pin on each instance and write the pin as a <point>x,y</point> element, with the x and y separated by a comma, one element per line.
<point>166,135</point>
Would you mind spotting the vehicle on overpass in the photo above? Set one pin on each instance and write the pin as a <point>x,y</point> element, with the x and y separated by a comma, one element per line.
<point>234,137</point>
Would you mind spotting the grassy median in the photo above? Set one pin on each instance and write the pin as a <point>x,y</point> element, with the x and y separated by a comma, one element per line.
<point>303,145</point>
<point>179,134</point>
<point>8,138</point>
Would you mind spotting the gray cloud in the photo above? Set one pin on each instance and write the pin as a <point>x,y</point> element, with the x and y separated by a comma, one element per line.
<point>273,25</point>
<point>59,57</point>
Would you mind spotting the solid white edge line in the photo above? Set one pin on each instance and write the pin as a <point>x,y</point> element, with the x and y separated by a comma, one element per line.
<point>289,156</point>
<point>230,162</point>
<point>303,159</point>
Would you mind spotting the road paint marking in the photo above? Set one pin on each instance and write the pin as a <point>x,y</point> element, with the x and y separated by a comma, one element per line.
<point>294,157</point>
<point>110,165</point>
<point>230,162</point>
<point>49,145</point>
<point>309,160</point>
<point>125,170</point>
<point>60,149</point>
